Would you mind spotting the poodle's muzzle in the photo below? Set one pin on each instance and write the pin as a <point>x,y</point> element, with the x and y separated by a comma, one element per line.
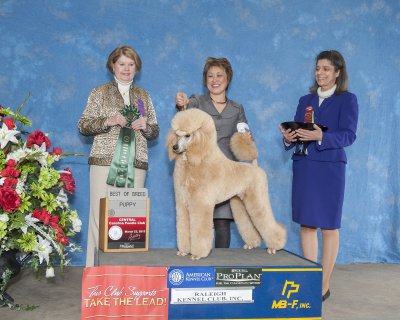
<point>182,141</point>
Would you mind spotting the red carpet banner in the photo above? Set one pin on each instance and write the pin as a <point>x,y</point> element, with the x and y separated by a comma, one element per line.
<point>124,292</point>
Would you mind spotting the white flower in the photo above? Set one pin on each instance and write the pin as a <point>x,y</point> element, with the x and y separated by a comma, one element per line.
<point>7,135</point>
<point>19,188</point>
<point>42,154</point>
<point>62,197</point>
<point>49,272</point>
<point>29,220</point>
<point>18,154</point>
<point>2,181</point>
<point>76,223</point>
<point>72,247</point>
<point>43,249</point>
<point>4,217</point>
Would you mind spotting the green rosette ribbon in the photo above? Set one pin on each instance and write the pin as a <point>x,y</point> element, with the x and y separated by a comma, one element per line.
<point>122,168</point>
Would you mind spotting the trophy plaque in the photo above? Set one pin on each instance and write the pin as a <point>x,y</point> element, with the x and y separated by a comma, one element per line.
<point>124,220</point>
<point>294,125</point>
<point>301,146</point>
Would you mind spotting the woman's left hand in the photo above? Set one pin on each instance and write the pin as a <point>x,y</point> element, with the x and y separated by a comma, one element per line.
<point>310,135</point>
<point>139,124</point>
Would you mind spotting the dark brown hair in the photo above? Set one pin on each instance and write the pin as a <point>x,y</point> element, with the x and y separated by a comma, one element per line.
<point>218,62</point>
<point>338,63</point>
<point>126,51</point>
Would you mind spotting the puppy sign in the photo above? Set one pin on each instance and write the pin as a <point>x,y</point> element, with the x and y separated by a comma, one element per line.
<point>124,220</point>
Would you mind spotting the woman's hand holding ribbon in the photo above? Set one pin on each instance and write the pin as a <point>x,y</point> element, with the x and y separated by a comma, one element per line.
<point>118,119</point>
<point>139,124</point>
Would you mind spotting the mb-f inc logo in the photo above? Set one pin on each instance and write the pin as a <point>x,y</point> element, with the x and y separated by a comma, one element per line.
<point>289,288</point>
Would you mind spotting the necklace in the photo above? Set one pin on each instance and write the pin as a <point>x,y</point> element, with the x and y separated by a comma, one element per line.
<point>223,102</point>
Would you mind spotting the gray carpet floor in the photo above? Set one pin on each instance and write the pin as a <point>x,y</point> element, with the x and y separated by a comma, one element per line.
<point>359,291</point>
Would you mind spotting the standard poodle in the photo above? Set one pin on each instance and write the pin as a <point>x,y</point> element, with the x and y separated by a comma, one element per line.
<point>204,177</point>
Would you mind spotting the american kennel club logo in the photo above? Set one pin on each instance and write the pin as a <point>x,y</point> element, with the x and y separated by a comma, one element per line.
<point>238,277</point>
<point>176,277</point>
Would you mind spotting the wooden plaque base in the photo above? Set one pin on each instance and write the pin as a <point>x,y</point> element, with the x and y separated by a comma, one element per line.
<point>124,224</point>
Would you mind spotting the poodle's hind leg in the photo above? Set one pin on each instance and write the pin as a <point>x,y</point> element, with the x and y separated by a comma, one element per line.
<point>259,208</point>
<point>272,232</point>
<point>201,230</point>
<point>245,226</point>
<point>182,229</point>
<point>276,239</point>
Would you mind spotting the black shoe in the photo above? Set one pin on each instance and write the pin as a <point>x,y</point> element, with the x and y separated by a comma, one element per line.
<point>326,295</point>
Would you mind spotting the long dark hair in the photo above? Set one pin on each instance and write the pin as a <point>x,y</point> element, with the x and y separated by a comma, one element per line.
<point>338,63</point>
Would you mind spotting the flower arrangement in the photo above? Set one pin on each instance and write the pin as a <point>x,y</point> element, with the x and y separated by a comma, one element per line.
<point>35,218</point>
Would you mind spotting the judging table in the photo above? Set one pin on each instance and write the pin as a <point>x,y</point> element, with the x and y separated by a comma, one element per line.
<point>233,283</point>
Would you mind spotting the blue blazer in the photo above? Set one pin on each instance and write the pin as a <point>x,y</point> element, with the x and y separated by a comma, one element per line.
<point>340,114</point>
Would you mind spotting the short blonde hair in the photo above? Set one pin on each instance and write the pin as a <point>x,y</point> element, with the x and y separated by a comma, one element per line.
<point>126,51</point>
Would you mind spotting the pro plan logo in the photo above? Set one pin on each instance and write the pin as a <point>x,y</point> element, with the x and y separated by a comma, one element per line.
<point>238,277</point>
<point>289,288</point>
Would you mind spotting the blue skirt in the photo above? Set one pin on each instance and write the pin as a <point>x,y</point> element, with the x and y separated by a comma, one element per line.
<point>317,193</point>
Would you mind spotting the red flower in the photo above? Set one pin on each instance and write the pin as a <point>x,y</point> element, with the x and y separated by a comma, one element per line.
<point>53,222</point>
<point>10,172</point>
<point>37,137</point>
<point>68,180</point>
<point>62,239</point>
<point>9,199</point>
<point>10,183</point>
<point>57,227</point>
<point>56,151</point>
<point>46,218</point>
<point>42,215</point>
<point>9,122</point>
<point>11,163</point>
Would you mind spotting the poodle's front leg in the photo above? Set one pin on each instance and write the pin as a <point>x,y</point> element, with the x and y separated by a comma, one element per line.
<point>201,230</point>
<point>182,228</point>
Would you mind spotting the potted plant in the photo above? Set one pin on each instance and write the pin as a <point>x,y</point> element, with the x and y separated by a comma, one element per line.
<point>36,221</point>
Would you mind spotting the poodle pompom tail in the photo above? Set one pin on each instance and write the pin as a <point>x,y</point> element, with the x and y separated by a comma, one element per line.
<point>243,146</point>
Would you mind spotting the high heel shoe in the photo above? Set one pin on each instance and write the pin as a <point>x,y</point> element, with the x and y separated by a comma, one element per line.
<point>326,295</point>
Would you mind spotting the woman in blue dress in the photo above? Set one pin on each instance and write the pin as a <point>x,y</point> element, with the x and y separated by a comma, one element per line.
<point>319,174</point>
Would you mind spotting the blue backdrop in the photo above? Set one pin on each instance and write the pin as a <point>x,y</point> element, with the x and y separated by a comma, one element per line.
<point>57,50</point>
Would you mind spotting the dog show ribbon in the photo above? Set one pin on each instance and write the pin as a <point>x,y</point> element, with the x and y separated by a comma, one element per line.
<point>122,164</point>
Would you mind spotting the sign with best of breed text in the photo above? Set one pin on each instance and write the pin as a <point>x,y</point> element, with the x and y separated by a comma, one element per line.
<point>124,220</point>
